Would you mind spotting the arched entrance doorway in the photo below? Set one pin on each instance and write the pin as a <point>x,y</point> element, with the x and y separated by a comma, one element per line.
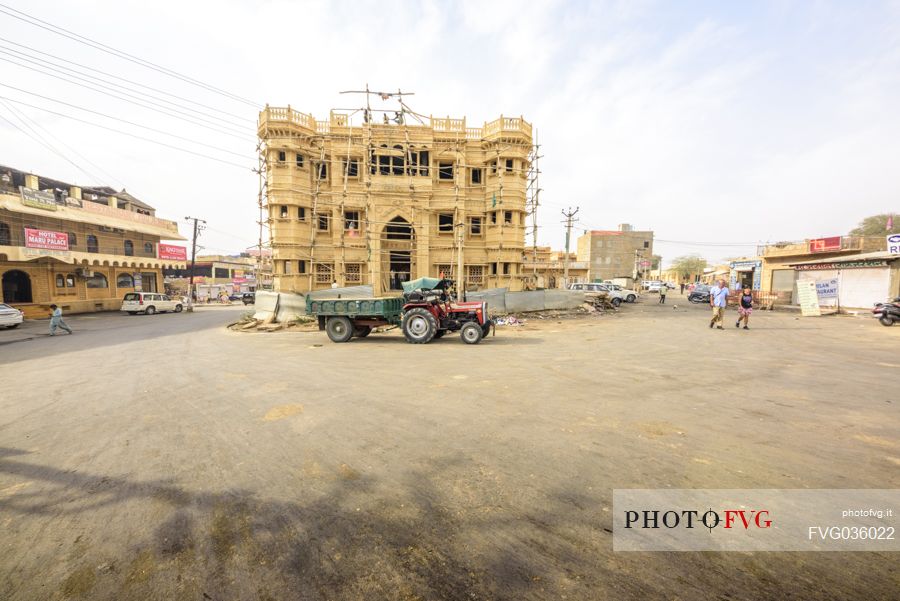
<point>16,287</point>
<point>397,261</point>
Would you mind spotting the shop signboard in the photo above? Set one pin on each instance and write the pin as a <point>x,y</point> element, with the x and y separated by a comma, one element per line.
<point>138,282</point>
<point>827,288</point>
<point>809,300</point>
<point>893,244</point>
<point>46,239</point>
<point>38,199</point>
<point>824,245</point>
<point>172,252</point>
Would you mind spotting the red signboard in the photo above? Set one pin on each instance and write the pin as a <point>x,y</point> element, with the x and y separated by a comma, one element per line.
<point>824,245</point>
<point>173,253</point>
<point>45,239</point>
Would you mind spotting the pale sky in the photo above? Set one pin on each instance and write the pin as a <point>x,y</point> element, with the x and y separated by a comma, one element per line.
<point>709,122</point>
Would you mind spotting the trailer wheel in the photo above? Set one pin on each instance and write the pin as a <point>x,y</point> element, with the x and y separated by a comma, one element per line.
<point>471,333</point>
<point>362,331</point>
<point>339,329</point>
<point>419,326</point>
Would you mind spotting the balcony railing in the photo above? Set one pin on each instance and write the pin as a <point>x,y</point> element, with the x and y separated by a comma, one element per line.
<point>440,125</point>
<point>804,247</point>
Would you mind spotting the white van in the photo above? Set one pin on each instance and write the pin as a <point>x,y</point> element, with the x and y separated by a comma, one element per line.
<point>149,303</point>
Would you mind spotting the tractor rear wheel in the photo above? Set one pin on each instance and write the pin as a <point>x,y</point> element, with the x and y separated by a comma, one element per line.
<point>362,331</point>
<point>471,333</point>
<point>419,326</point>
<point>339,329</point>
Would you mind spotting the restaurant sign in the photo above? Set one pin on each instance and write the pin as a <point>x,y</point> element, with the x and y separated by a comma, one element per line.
<point>171,252</point>
<point>38,199</point>
<point>46,239</point>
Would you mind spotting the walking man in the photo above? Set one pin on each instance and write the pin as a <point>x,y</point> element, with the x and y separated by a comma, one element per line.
<point>718,300</point>
<point>662,293</point>
<point>682,288</point>
<point>56,321</point>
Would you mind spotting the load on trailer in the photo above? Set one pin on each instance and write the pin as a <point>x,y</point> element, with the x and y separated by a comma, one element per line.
<point>426,311</point>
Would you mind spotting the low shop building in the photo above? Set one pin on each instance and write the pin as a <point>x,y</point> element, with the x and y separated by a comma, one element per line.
<point>779,277</point>
<point>546,268</point>
<point>853,281</point>
<point>215,275</point>
<point>82,249</point>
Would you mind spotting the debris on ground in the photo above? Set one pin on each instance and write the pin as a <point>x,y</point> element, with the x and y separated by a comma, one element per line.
<point>248,323</point>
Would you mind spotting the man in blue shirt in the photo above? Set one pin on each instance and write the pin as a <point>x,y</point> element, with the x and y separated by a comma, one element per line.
<point>718,300</point>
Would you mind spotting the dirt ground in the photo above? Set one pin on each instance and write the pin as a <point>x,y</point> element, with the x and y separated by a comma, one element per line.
<point>169,458</point>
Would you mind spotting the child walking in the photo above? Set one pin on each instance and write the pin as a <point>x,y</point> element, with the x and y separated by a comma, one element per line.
<point>745,308</point>
<point>56,321</point>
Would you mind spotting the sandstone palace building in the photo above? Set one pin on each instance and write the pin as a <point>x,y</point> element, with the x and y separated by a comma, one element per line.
<point>376,197</point>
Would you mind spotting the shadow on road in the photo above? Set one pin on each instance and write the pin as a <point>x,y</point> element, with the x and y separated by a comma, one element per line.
<point>355,541</point>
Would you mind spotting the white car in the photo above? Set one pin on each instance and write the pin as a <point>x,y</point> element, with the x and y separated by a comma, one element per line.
<point>149,303</point>
<point>629,296</point>
<point>616,297</point>
<point>10,317</point>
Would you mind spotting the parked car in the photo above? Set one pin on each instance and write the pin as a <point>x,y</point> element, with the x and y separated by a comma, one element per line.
<point>235,297</point>
<point>651,285</point>
<point>149,303</point>
<point>700,294</point>
<point>10,317</point>
<point>629,295</point>
<point>616,297</point>
<point>248,298</point>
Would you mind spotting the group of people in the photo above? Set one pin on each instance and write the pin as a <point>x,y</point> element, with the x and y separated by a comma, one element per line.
<point>718,300</point>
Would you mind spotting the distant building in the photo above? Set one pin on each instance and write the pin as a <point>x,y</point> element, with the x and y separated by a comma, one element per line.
<point>621,253</point>
<point>82,248</point>
<point>215,274</point>
<point>544,268</point>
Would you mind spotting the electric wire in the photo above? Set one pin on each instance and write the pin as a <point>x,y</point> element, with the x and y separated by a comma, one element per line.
<point>153,129</point>
<point>81,39</point>
<point>118,131</point>
<point>130,98</point>
<point>38,138</point>
<point>132,82</point>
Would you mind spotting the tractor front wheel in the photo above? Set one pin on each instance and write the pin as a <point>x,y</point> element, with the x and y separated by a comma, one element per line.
<point>339,329</point>
<point>419,326</point>
<point>471,333</point>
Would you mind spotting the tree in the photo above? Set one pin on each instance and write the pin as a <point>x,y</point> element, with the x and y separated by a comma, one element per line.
<point>654,262</point>
<point>688,266</point>
<point>876,225</point>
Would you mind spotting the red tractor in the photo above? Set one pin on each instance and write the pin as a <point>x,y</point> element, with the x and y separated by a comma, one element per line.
<point>429,312</point>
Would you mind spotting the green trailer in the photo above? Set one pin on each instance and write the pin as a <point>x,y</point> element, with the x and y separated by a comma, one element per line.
<point>342,319</point>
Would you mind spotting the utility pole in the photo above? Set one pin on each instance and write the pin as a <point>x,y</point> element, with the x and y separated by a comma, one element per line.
<point>197,229</point>
<point>461,281</point>
<point>570,220</point>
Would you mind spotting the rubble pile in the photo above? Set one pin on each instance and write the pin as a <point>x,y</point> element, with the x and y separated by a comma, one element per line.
<point>247,323</point>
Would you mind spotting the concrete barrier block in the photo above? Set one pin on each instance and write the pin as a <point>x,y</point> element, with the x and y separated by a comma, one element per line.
<point>518,302</point>
<point>290,307</point>
<point>265,305</point>
<point>350,292</point>
<point>494,297</point>
<point>563,299</point>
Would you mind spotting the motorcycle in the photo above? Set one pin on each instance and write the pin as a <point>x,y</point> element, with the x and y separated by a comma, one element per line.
<point>888,313</point>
